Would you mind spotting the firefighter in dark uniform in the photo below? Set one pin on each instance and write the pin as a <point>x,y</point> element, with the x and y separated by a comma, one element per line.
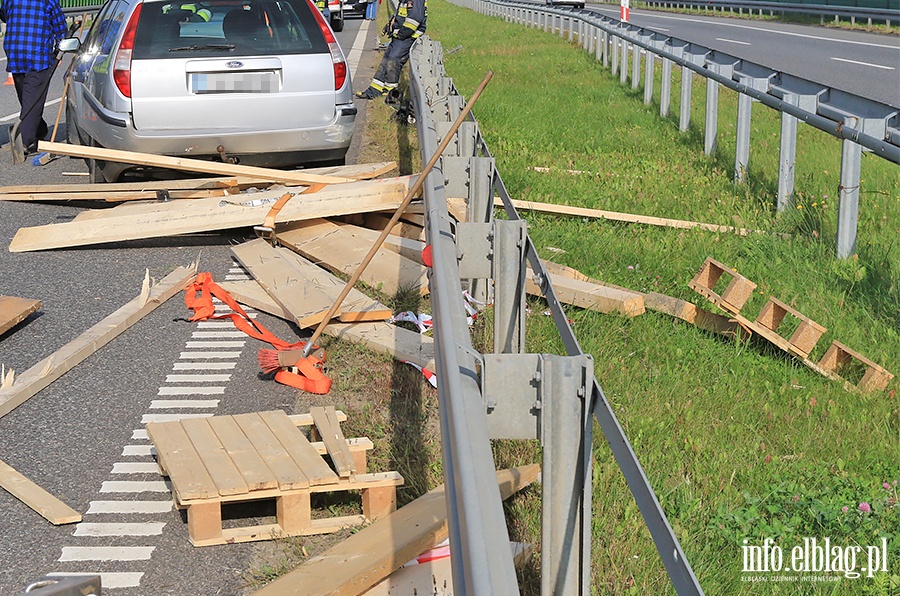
<point>403,28</point>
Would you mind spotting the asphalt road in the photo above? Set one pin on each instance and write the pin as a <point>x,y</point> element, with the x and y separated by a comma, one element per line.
<point>864,64</point>
<point>82,436</point>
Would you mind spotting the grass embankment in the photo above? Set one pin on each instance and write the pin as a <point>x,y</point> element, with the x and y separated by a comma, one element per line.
<point>739,440</point>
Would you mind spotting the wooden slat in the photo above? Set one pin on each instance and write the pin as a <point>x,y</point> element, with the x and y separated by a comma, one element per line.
<point>400,343</point>
<point>190,480</point>
<point>51,508</point>
<point>224,473</point>
<point>403,229</point>
<point>15,310</point>
<point>411,249</point>
<point>282,465</point>
<point>370,555</point>
<point>591,296</point>
<point>307,420</point>
<point>203,215</point>
<point>190,165</point>
<point>239,448</point>
<point>113,196</point>
<point>57,364</point>
<point>66,189</point>
<point>335,248</point>
<point>330,431</point>
<point>299,448</point>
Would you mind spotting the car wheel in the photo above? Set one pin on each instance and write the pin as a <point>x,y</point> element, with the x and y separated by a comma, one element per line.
<point>72,134</point>
<point>95,167</point>
<point>337,21</point>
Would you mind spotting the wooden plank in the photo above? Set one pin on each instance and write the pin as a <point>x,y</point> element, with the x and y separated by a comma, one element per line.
<point>400,343</point>
<point>307,420</point>
<point>591,296</point>
<point>65,189</point>
<point>224,473</point>
<point>301,288</point>
<point>186,164</point>
<point>335,248</point>
<point>204,215</point>
<point>177,456</point>
<point>57,364</point>
<point>51,508</point>
<point>330,431</point>
<point>379,221</point>
<point>282,465</point>
<point>411,249</point>
<point>624,217</point>
<point>246,459</point>
<point>687,311</point>
<point>370,555</point>
<point>114,196</point>
<point>299,448</point>
<point>14,310</point>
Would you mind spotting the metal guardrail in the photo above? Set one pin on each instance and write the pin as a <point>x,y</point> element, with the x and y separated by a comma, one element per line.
<point>877,10</point>
<point>861,124</point>
<point>510,386</point>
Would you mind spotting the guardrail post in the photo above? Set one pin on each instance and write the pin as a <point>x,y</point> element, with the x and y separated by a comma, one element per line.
<point>570,22</point>
<point>635,64</point>
<point>665,93</point>
<point>602,40</point>
<point>756,78</point>
<point>723,65</point>
<point>509,286</point>
<point>480,208</point>
<point>623,68</point>
<point>802,94</point>
<point>615,54</point>
<point>848,196</point>
<point>696,55</point>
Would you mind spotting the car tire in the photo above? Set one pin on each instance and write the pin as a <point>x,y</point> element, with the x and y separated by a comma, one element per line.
<point>72,135</point>
<point>95,167</point>
<point>337,21</point>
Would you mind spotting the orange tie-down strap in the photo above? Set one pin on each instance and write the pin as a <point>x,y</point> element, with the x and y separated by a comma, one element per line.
<point>198,297</point>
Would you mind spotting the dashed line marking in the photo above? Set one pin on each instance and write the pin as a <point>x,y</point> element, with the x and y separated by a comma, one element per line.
<point>138,450</point>
<point>106,553</point>
<point>189,355</point>
<point>863,63</point>
<point>214,344</point>
<point>217,334</point>
<point>166,404</point>
<point>191,390</point>
<point>129,507</point>
<point>120,579</point>
<point>134,467</point>
<point>147,418</point>
<point>139,434</point>
<point>198,378</point>
<point>119,529</point>
<point>204,365</point>
<point>740,43</point>
<point>135,486</point>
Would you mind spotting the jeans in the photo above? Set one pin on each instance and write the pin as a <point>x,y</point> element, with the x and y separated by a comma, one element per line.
<point>371,10</point>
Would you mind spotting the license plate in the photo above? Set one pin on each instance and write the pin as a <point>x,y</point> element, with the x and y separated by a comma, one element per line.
<point>235,82</point>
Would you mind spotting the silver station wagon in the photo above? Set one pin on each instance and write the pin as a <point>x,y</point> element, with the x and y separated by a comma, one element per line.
<point>256,82</point>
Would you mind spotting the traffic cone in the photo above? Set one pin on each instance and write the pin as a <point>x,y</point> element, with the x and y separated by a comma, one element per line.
<point>9,80</point>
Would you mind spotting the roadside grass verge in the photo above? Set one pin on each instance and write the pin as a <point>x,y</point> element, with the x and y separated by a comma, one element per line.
<point>739,440</point>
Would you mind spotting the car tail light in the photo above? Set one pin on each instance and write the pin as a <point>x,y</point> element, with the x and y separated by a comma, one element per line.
<point>337,59</point>
<point>122,62</point>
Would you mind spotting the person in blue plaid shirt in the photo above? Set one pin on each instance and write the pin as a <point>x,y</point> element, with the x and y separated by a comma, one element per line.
<point>33,30</point>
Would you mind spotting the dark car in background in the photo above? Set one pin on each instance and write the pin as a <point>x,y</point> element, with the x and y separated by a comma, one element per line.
<point>256,82</point>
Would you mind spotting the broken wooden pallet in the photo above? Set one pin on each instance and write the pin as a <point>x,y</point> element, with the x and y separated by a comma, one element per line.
<point>15,310</point>
<point>258,456</point>
<point>303,289</point>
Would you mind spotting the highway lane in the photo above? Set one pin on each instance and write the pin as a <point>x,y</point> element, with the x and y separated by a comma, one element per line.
<point>82,436</point>
<point>864,64</point>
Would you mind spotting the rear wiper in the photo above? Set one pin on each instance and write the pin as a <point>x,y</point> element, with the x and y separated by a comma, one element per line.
<point>209,46</point>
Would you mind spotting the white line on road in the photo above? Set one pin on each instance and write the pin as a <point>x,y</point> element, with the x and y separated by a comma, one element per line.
<point>215,334</point>
<point>120,579</point>
<point>863,63</point>
<point>204,365</point>
<point>191,390</point>
<point>742,43</point>
<point>147,418</point>
<point>215,325</point>
<point>356,50</point>
<point>106,553</point>
<point>134,467</point>
<point>139,434</point>
<point>165,404</point>
<point>189,378</point>
<point>188,355</point>
<point>238,277</point>
<point>138,450</point>
<point>129,507</point>
<point>135,486</point>
<point>52,102</point>
<point>119,529</point>
<point>196,345</point>
<point>663,29</point>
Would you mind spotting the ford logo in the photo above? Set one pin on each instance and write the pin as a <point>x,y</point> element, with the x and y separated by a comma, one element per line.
<point>234,64</point>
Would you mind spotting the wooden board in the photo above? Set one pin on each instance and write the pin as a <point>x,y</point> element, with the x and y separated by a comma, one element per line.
<point>15,310</point>
<point>224,473</point>
<point>335,248</point>
<point>400,343</point>
<point>295,443</point>
<point>75,189</point>
<point>303,289</point>
<point>330,430</point>
<point>687,311</point>
<point>282,465</point>
<point>379,221</point>
<point>405,247</point>
<point>182,464</point>
<point>51,508</point>
<point>186,164</point>
<point>203,215</point>
<point>370,555</point>
<point>57,364</point>
<point>110,196</point>
<point>245,458</point>
<point>591,296</point>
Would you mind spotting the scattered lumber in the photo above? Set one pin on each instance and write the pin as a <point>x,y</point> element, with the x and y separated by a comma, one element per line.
<point>51,508</point>
<point>624,217</point>
<point>337,249</point>
<point>70,191</point>
<point>397,342</point>
<point>302,288</point>
<point>693,314</point>
<point>15,310</point>
<point>329,429</point>
<point>64,359</point>
<point>591,296</point>
<point>403,229</point>
<point>120,196</point>
<point>405,247</point>
<point>373,553</point>
<point>186,164</point>
<point>156,220</point>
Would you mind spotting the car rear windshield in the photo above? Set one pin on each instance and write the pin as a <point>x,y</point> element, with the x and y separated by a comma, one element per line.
<point>222,28</point>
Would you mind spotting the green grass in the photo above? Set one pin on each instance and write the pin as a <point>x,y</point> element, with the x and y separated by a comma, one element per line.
<point>739,440</point>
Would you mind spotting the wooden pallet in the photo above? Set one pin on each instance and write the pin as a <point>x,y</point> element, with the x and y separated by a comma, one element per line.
<point>875,378</point>
<point>264,456</point>
<point>735,294</point>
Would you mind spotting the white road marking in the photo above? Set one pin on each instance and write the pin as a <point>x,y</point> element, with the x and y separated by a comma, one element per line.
<point>863,63</point>
<point>238,277</point>
<point>106,553</point>
<point>165,404</point>
<point>742,43</point>
<point>119,529</point>
<point>663,29</point>
<point>191,391</point>
<point>135,486</point>
<point>147,418</point>
<point>187,355</point>
<point>198,378</point>
<point>356,50</point>
<point>215,334</point>
<point>195,345</point>
<point>204,365</point>
<point>134,467</point>
<point>120,579</point>
<point>52,102</point>
<point>129,507</point>
<point>139,434</point>
<point>215,325</point>
<point>138,450</point>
